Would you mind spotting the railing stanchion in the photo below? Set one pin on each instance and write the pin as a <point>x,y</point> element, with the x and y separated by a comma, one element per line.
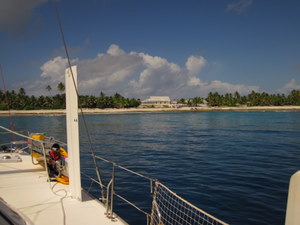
<point>112,192</point>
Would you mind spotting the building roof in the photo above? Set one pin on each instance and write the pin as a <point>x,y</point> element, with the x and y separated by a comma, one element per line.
<point>157,99</point>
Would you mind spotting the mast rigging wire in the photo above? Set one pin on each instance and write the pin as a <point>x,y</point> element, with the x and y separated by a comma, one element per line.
<point>76,89</point>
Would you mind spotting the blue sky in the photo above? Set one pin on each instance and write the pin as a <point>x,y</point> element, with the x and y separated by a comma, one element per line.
<point>139,48</point>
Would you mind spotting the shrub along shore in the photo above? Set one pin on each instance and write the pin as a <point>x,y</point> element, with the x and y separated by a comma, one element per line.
<point>19,102</point>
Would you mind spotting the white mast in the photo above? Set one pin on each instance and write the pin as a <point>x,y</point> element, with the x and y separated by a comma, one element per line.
<point>293,204</point>
<point>73,133</point>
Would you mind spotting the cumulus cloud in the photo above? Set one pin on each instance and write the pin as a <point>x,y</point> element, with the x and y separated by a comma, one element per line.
<point>224,87</point>
<point>158,76</point>
<point>53,69</point>
<point>197,87</point>
<point>239,7</point>
<point>135,74</point>
<point>14,14</point>
<point>194,81</point>
<point>195,64</point>
<point>288,87</point>
<point>115,50</point>
<point>53,72</point>
<point>106,72</point>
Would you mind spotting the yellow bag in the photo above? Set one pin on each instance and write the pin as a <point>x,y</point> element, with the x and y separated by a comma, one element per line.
<point>63,180</point>
<point>38,136</point>
<point>63,152</point>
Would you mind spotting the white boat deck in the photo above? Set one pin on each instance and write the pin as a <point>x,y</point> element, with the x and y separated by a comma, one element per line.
<point>25,188</point>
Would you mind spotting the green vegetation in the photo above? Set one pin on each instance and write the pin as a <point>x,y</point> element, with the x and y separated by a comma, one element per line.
<point>253,99</point>
<point>21,101</point>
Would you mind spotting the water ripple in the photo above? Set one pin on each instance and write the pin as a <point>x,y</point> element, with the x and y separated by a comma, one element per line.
<point>234,165</point>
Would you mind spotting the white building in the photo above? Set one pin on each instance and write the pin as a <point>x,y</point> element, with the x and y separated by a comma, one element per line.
<point>157,101</point>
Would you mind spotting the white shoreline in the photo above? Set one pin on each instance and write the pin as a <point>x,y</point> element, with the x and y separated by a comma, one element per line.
<point>146,110</point>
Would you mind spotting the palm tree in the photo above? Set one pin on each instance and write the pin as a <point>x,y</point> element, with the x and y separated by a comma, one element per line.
<point>22,92</point>
<point>197,101</point>
<point>48,88</point>
<point>182,101</point>
<point>61,87</point>
<point>19,100</point>
<point>294,97</point>
<point>34,102</point>
<point>214,99</point>
<point>101,101</point>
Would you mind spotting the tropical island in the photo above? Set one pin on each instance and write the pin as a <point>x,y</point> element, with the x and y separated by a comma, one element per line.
<point>20,102</point>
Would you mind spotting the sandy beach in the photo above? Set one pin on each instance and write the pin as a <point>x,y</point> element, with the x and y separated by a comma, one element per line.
<point>146,110</point>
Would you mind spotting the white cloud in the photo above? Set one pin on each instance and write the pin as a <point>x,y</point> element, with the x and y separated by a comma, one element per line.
<point>53,72</point>
<point>288,87</point>
<point>115,50</point>
<point>14,14</point>
<point>134,74</point>
<point>224,87</point>
<point>197,87</point>
<point>54,69</point>
<point>194,81</point>
<point>239,7</point>
<point>195,64</point>
<point>158,77</point>
<point>108,72</point>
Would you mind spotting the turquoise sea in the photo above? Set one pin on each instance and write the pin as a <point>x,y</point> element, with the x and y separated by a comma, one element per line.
<point>234,165</point>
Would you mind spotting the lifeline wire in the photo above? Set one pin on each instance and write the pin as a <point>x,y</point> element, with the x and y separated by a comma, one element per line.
<point>46,169</point>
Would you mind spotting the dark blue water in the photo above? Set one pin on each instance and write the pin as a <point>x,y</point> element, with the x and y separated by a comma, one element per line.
<point>234,165</point>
